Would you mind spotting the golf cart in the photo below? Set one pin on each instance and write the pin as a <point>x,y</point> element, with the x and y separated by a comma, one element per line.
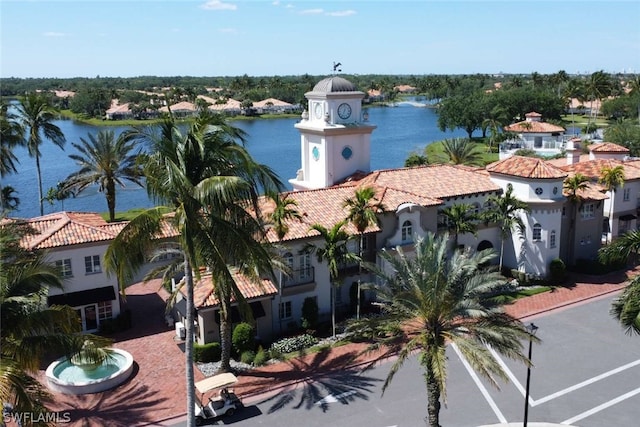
<point>225,402</point>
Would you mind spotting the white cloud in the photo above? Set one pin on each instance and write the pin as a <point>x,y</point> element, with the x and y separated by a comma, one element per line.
<point>289,6</point>
<point>276,3</point>
<point>228,30</point>
<point>53,34</point>
<point>175,30</point>
<point>311,12</point>
<point>342,13</point>
<point>218,5</point>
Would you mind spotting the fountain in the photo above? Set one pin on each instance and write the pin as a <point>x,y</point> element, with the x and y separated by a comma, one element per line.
<point>80,374</point>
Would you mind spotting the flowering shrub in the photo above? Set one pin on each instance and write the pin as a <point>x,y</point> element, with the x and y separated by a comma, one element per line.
<point>287,345</point>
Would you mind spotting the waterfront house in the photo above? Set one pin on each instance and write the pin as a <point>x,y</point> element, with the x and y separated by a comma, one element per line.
<point>533,134</point>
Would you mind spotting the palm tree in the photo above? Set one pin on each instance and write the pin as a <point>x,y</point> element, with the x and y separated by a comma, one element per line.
<point>336,253</point>
<point>431,301</point>
<point>612,178</point>
<point>460,219</point>
<point>30,329</point>
<point>105,160</point>
<point>626,307</point>
<point>11,133</point>
<point>505,211</point>
<point>495,122</point>
<point>461,151</point>
<point>8,200</point>
<point>574,185</point>
<point>35,114</point>
<point>574,89</point>
<point>597,87</point>
<point>285,210</point>
<point>363,210</point>
<point>208,179</point>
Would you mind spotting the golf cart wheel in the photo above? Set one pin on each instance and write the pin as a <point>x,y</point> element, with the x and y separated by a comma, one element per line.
<point>199,421</point>
<point>230,412</point>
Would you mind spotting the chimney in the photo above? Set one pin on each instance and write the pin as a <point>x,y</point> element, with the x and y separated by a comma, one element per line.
<point>573,151</point>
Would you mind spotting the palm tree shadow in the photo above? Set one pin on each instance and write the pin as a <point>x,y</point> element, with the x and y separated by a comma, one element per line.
<point>126,405</point>
<point>322,381</point>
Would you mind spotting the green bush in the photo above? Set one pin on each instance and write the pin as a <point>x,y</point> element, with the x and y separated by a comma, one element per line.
<point>558,270</point>
<point>309,313</point>
<point>248,357</point>
<point>261,357</point>
<point>243,338</point>
<point>288,345</point>
<point>205,353</point>
<point>595,267</point>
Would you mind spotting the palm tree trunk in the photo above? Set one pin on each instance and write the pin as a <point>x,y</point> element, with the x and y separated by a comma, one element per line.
<point>359,277</point>
<point>188,346</point>
<point>610,233</point>
<point>40,196</point>
<point>433,400</point>
<point>333,309</point>
<point>501,252</point>
<point>111,200</point>
<point>225,336</point>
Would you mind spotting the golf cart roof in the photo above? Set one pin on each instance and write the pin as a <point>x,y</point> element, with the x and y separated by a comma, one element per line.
<point>216,381</point>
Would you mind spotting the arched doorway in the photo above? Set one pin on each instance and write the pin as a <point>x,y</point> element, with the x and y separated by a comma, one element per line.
<point>485,244</point>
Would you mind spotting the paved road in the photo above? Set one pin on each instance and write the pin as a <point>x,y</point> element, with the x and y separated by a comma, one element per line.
<point>587,373</point>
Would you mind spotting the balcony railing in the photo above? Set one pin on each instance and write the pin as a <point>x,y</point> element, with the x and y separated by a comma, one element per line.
<point>299,277</point>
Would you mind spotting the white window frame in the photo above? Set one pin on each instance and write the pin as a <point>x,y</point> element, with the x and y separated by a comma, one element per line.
<point>406,231</point>
<point>537,232</point>
<point>305,265</point>
<point>626,194</point>
<point>285,310</point>
<point>588,211</point>
<point>552,239</point>
<point>64,265</point>
<point>92,264</point>
<point>105,310</point>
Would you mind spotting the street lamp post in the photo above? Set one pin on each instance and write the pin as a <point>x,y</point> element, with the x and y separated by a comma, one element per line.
<point>532,331</point>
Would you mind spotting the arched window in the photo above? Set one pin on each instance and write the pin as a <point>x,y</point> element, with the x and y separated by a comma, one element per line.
<point>552,239</point>
<point>288,260</point>
<point>407,231</point>
<point>537,232</point>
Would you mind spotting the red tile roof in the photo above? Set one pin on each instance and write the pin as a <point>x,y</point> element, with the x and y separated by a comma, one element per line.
<point>75,228</point>
<point>533,127</point>
<point>203,295</point>
<point>526,167</point>
<point>593,168</point>
<point>607,147</point>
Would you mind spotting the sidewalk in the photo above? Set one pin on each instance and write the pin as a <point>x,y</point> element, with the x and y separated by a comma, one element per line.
<point>155,394</point>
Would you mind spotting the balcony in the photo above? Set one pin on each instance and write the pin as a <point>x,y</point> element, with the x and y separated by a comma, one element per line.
<point>298,277</point>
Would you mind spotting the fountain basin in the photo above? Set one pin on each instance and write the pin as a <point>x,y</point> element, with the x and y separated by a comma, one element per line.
<point>65,377</point>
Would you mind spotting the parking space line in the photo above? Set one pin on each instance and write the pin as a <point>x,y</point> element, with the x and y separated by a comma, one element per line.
<point>601,407</point>
<point>510,374</point>
<point>481,386</point>
<point>587,382</point>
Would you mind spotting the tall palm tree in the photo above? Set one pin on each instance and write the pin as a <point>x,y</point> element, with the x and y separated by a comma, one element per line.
<point>461,151</point>
<point>105,160</point>
<point>626,307</point>
<point>460,219</point>
<point>285,210</point>
<point>11,133</point>
<point>207,178</point>
<point>611,178</point>
<point>8,200</point>
<point>336,252</point>
<point>363,210</point>
<point>30,329</point>
<point>36,115</point>
<point>505,211</point>
<point>574,185</point>
<point>431,301</point>
<point>597,87</point>
<point>495,122</point>
<point>574,89</point>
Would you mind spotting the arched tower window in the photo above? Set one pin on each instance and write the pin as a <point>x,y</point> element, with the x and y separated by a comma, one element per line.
<point>407,231</point>
<point>537,232</point>
<point>552,239</point>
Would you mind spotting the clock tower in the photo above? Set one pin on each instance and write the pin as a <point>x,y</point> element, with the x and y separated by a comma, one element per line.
<point>335,138</point>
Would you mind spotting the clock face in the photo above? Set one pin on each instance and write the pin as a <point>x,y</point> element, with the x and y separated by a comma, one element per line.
<point>318,111</point>
<point>344,111</point>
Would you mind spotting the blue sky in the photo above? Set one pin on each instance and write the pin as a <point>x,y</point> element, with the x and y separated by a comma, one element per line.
<point>264,38</point>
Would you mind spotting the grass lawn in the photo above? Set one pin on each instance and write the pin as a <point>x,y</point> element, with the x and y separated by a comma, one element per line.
<point>583,120</point>
<point>128,215</point>
<point>521,293</point>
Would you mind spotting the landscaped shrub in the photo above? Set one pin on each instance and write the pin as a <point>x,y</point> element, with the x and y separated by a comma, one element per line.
<point>557,269</point>
<point>588,266</point>
<point>248,357</point>
<point>262,357</point>
<point>287,345</point>
<point>206,353</point>
<point>243,338</point>
<point>309,313</point>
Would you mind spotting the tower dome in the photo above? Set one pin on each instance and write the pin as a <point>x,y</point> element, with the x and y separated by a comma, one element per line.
<point>334,84</point>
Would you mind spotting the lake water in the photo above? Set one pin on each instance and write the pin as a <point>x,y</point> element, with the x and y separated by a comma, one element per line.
<point>276,143</point>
